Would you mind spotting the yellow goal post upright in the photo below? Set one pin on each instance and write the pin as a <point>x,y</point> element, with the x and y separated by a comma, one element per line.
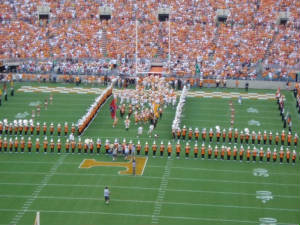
<point>37,218</point>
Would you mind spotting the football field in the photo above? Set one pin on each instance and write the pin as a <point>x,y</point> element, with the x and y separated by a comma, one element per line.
<point>170,190</point>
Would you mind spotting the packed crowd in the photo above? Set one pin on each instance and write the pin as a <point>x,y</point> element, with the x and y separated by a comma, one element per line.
<point>74,30</point>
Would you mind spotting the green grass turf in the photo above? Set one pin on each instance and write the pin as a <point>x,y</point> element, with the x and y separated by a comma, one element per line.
<point>192,191</point>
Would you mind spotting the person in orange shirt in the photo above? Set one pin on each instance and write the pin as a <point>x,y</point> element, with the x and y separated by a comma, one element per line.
<point>10,145</point>
<point>268,155</point>
<point>253,137</point>
<point>295,139</point>
<point>190,134</point>
<point>202,151</point>
<point>173,131</point>
<point>29,145</point>
<point>1,127</point>
<point>254,154</point>
<point>5,144</point>
<point>73,128</point>
<point>270,138</point>
<point>178,131</point>
<point>235,153</point>
<point>248,154</point>
<point>107,146</point>
<point>58,146</point>
<point>59,129</point>
<point>216,152</point>
<point>45,145</point>
<point>224,135</point>
<point>66,128</point>
<point>230,135</point>
<point>218,135</point>
<point>210,134</point>
<point>281,155</point>
<point>222,152</point>
<point>241,153</point>
<point>98,145</point>
<point>183,133</point>
<point>265,137</point>
<point>288,155</point>
<point>169,149</point>
<point>259,137</point>
<point>236,135</point>
<point>277,138</point>
<point>187,150</point>
<point>16,144</point>
<point>282,137</point>
<point>294,156</point>
<point>289,138</point>
<point>161,148</point>
<point>20,127</point>
<point>247,137</point>
<point>196,150</point>
<point>203,134</point>
<point>79,145</point>
<point>22,144</point>
<point>31,128</point>
<point>44,128</point>
<point>209,152</point>
<point>85,147</point>
<point>261,154</point>
<point>154,148</point>
<point>138,148</point>
<point>26,128</point>
<point>228,153</point>
<point>196,134</point>
<point>37,145</point>
<point>38,128</point>
<point>52,145</point>
<point>73,146</point>
<point>274,155</point>
<point>146,148</point>
<point>178,149</point>
<point>67,146</point>
<point>91,146</point>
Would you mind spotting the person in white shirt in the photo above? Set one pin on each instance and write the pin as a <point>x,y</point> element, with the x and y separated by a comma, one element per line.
<point>106,195</point>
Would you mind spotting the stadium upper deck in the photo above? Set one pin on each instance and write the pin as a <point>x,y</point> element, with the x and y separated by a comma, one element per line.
<point>250,35</point>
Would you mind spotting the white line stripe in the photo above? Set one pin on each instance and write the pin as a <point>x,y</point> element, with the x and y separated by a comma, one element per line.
<point>35,194</point>
<point>161,193</point>
<point>144,215</point>
<point>156,206</point>
<point>147,188</point>
<point>155,177</point>
<point>225,171</point>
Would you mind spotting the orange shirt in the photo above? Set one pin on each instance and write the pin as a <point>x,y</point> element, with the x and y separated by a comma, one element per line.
<point>178,148</point>
<point>169,148</point>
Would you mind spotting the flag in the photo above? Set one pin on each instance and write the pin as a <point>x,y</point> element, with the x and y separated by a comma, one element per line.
<point>155,109</point>
<point>37,219</point>
<point>113,108</point>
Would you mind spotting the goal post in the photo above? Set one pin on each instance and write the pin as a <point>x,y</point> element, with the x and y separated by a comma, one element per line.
<point>137,23</point>
<point>37,219</point>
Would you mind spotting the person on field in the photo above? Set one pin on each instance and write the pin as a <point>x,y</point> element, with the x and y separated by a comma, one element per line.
<point>106,195</point>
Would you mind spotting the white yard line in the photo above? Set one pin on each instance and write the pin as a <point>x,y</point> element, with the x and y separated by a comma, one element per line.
<point>142,215</point>
<point>147,188</point>
<point>157,204</point>
<point>155,177</point>
<point>37,191</point>
<point>161,192</point>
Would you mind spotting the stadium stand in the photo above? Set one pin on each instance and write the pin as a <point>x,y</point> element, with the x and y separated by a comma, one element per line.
<point>252,35</point>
